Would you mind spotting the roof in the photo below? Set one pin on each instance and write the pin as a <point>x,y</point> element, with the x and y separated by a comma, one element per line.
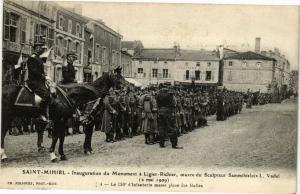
<point>128,44</point>
<point>156,54</point>
<point>249,56</point>
<point>182,55</point>
<point>197,55</point>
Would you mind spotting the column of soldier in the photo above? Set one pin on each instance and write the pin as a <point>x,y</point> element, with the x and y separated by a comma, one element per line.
<point>131,112</point>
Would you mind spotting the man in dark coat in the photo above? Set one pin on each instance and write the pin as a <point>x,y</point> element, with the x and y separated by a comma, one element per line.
<point>166,103</point>
<point>37,79</point>
<point>68,71</point>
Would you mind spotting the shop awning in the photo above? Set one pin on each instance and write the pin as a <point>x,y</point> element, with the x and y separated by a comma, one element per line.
<point>134,82</point>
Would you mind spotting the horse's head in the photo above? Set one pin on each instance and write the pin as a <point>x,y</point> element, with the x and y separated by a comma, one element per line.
<point>52,86</point>
<point>116,78</point>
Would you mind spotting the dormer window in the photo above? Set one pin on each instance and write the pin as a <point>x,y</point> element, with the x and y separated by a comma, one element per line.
<point>61,22</point>
<point>78,30</point>
<point>70,26</point>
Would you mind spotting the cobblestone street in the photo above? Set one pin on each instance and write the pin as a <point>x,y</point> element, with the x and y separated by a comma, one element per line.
<point>261,137</point>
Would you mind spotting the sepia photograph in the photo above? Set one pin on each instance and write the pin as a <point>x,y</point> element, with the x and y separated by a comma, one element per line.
<point>123,96</point>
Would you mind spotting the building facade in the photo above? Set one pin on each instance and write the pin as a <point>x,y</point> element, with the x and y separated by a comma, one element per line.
<point>24,24</point>
<point>126,64</point>
<point>201,67</point>
<point>154,66</point>
<point>105,53</point>
<point>249,70</point>
<point>69,37</point>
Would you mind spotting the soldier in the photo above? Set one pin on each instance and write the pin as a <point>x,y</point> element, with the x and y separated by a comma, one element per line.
<point>109,115</point>
<point>166,117</point>
<point>148,119</point>
<point>220,107</point>
<point>68,71</point>
<point>37,79</point>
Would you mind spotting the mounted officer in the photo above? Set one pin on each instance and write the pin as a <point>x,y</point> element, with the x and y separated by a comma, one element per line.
<point>68,71</point>
<point>37,79</point>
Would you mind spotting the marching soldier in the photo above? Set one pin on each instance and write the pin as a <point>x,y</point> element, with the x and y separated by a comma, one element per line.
<point>166,117</point>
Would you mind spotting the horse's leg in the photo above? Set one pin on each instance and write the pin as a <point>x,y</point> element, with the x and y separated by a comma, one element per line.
<point>6,123</point>
<point>61,143</point>
<point>40,132</point>
<point>53,157</point>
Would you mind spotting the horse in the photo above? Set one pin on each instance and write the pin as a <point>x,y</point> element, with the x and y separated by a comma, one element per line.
<point>84,96</point>
<point>59,107</point>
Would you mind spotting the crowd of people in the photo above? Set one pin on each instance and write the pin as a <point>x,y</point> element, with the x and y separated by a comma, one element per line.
<point>130,112</point>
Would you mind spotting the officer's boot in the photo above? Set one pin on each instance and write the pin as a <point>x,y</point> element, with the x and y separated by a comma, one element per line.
<point>162,141</point>
<point>146,138</point>
<point>107,137</point>
<point>151,139</point>
<point>44,111</point>
<point>174,141</point>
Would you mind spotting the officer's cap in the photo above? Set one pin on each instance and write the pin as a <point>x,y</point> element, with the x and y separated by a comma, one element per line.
<point>72,54</point>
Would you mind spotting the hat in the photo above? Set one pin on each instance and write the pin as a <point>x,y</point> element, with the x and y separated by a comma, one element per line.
<point>118,69</point>
<point>36,44</point>
<point>72,53</point>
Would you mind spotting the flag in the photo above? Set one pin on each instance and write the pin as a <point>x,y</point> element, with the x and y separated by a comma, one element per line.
<point>46,54</point>
<point>25,72</point>
<point>18,65</point>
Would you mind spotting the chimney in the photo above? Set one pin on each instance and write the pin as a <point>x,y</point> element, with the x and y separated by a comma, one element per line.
<point>257,44</point>
<point>221,52</point>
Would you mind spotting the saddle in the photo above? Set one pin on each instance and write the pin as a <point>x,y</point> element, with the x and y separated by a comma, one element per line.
<point>26,98</point>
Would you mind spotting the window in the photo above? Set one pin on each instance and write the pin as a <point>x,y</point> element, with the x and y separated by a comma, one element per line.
<point>89,57</point>
<point>50,37</point>
<point>97,53</point>
<point>208,64</point>
<point>229,76</point>
<point>40,30</point>
<point>165,73</point>
<point>197,75</point>
<point>140,62</point>
<point>187,75</point>
<point>244,64</point>
<point>6,25</point>
<point>141,72</point>
<point>104,55</point>
<point>230,63</point>
<point>155,62</point>
<point>60,46</point>
<point>11,27</point>
<point>78,51</point>
<point>23,30</point>
<point>78,30</point>
<point>166,62</point>
<point>258,65</point>
<point>69,45</point>
<point>208,76</point>
<point>154,73</point>
<point>61,22</point>
<point>70,26</point>
<point>198,64</point>
<point>186,64</point>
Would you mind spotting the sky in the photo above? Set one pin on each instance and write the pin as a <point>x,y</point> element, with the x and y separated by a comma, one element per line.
<point>196,26</point>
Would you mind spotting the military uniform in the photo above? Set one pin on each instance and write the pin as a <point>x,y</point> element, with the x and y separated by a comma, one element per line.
<point>166,117</point>
<point>37,81</point>
<point>68,71</point>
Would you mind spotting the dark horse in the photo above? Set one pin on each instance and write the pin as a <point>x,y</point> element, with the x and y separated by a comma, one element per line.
<point>84,96</point>
<point>60,109</point>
